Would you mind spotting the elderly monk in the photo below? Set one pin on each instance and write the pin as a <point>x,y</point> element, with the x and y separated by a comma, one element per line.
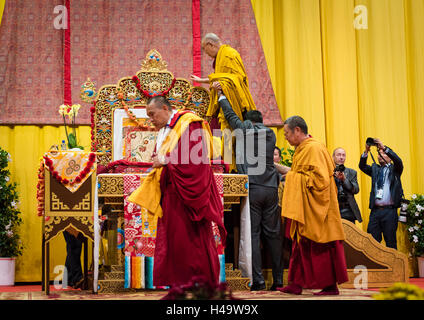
<point>181,192</point>
<point>230,77</point>
<point>310,203</point>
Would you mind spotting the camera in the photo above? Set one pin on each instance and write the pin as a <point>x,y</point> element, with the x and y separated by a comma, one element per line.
<point>371,142</point>
<point>340,168</point>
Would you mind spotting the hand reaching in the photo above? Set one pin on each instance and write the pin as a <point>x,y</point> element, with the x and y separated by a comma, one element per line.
<point>195,78</point>
<point>217,86</point>
<point>380,144</point>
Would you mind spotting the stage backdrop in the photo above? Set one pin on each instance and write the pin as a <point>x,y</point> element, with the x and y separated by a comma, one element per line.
<point>347,83</point>
<point>41,63</point>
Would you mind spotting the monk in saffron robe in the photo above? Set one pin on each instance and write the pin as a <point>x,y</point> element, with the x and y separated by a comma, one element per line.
<point>229,77</point>
<point>310,203</point>
<point>182,193</point>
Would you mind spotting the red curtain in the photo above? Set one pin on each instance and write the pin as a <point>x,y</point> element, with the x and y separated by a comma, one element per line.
<point>108,39</point>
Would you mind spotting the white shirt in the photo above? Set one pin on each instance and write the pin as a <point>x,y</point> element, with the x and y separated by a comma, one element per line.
<point>163,132</point>
<point>387,198</point>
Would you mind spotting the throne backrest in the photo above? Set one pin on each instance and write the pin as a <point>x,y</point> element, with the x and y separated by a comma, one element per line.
<point>125,103</point>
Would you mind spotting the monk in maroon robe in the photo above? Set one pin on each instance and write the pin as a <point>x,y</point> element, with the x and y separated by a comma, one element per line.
<point>314,222</point>
<point>189,199</point>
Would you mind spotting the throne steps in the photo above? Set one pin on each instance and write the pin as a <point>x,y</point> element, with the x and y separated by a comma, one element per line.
<point>113,281</point>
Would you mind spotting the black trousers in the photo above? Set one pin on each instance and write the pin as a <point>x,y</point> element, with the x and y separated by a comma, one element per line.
<point>265,218</point>
<point>73,257</point>
<point>384,222</point>
<point>347,214</point>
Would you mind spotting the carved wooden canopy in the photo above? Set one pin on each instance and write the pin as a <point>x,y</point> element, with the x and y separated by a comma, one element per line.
<point>133,92</point>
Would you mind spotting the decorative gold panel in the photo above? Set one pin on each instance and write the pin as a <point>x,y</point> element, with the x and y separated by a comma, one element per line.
<point>395,263</point>
<point>52,226</point>
<point>154,78</point>
<point>235,185</point>
<point>59,201</point>
<point>110,185</point>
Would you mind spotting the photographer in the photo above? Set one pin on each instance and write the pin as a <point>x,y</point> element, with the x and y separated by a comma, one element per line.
<point>347,187</point>
<point>386,191</point>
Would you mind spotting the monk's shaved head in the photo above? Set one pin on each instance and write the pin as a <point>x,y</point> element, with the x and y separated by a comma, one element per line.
<point>211,37</point>
<point>211,44</point>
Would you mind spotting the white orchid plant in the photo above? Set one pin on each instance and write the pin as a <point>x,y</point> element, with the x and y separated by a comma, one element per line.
<point>415,224</point>
<point>71,112</point>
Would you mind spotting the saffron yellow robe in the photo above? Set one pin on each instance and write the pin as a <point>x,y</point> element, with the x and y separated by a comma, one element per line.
<point>231,74</point>
<point>310,195</point>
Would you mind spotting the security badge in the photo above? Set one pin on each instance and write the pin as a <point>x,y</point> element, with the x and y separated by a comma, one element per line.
<point>379,194</point>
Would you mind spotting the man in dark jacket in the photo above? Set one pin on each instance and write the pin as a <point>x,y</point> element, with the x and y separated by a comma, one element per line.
<point>386,193</point>
<point>255,145</point>
<point>347,187</point>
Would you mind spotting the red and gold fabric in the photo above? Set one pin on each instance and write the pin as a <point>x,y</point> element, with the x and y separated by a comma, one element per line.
<point>140,235</point>
<point>68,183</point>
<point>139,142</point>
<point>70,168</point>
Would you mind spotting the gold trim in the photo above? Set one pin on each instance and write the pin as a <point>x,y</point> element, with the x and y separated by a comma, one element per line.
<point>395,261</point>
<point>112,185</point>
<point>51,225</point>
<point>70,213</point>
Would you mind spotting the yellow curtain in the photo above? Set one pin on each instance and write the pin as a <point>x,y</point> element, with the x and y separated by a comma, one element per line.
<point>2,2</point>
<point>26,145</point>
<point>348,81</point>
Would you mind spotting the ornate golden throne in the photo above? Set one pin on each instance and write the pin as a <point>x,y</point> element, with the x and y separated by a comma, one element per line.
<point>123,139</point>
<point>119,110</point>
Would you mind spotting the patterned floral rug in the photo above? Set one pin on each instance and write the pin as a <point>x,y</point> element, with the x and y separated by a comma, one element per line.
<point>345,294</point>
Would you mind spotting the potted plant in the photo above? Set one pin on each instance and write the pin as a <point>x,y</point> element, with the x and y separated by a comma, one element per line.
<point>71,112</point>
<point>10,220</point>
<point>415,228</point>
<point>287,157</point>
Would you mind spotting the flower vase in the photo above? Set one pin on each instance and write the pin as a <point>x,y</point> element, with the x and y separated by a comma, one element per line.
<point>7,271</point>
<point>420,266</point>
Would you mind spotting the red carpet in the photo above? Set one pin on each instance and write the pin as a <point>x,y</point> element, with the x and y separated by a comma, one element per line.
<point>33,288</point>
<point>30,288</point>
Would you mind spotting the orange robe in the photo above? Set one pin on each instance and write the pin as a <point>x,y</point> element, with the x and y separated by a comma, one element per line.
<point>231,74</point>
<point>310,202</point>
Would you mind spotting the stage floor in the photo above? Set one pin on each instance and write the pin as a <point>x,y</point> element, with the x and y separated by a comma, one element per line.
<point>345,294</point>
<point>33,292</point>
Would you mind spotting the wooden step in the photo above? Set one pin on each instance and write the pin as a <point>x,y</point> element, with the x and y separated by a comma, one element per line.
<point>111,286</point>
<point>233,274</point>
<point>117,268</point>
<point>238,284</point>
<point>114,275</point>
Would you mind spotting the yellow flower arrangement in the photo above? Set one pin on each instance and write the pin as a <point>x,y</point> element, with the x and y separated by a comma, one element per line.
<point>400,291</point>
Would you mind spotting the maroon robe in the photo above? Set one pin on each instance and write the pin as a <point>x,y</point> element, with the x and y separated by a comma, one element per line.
<point>185,245</point>
<point>316,265</point>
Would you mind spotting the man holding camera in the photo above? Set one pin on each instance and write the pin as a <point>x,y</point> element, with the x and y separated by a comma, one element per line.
<point>386,191</point>
<point>347,187</point>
